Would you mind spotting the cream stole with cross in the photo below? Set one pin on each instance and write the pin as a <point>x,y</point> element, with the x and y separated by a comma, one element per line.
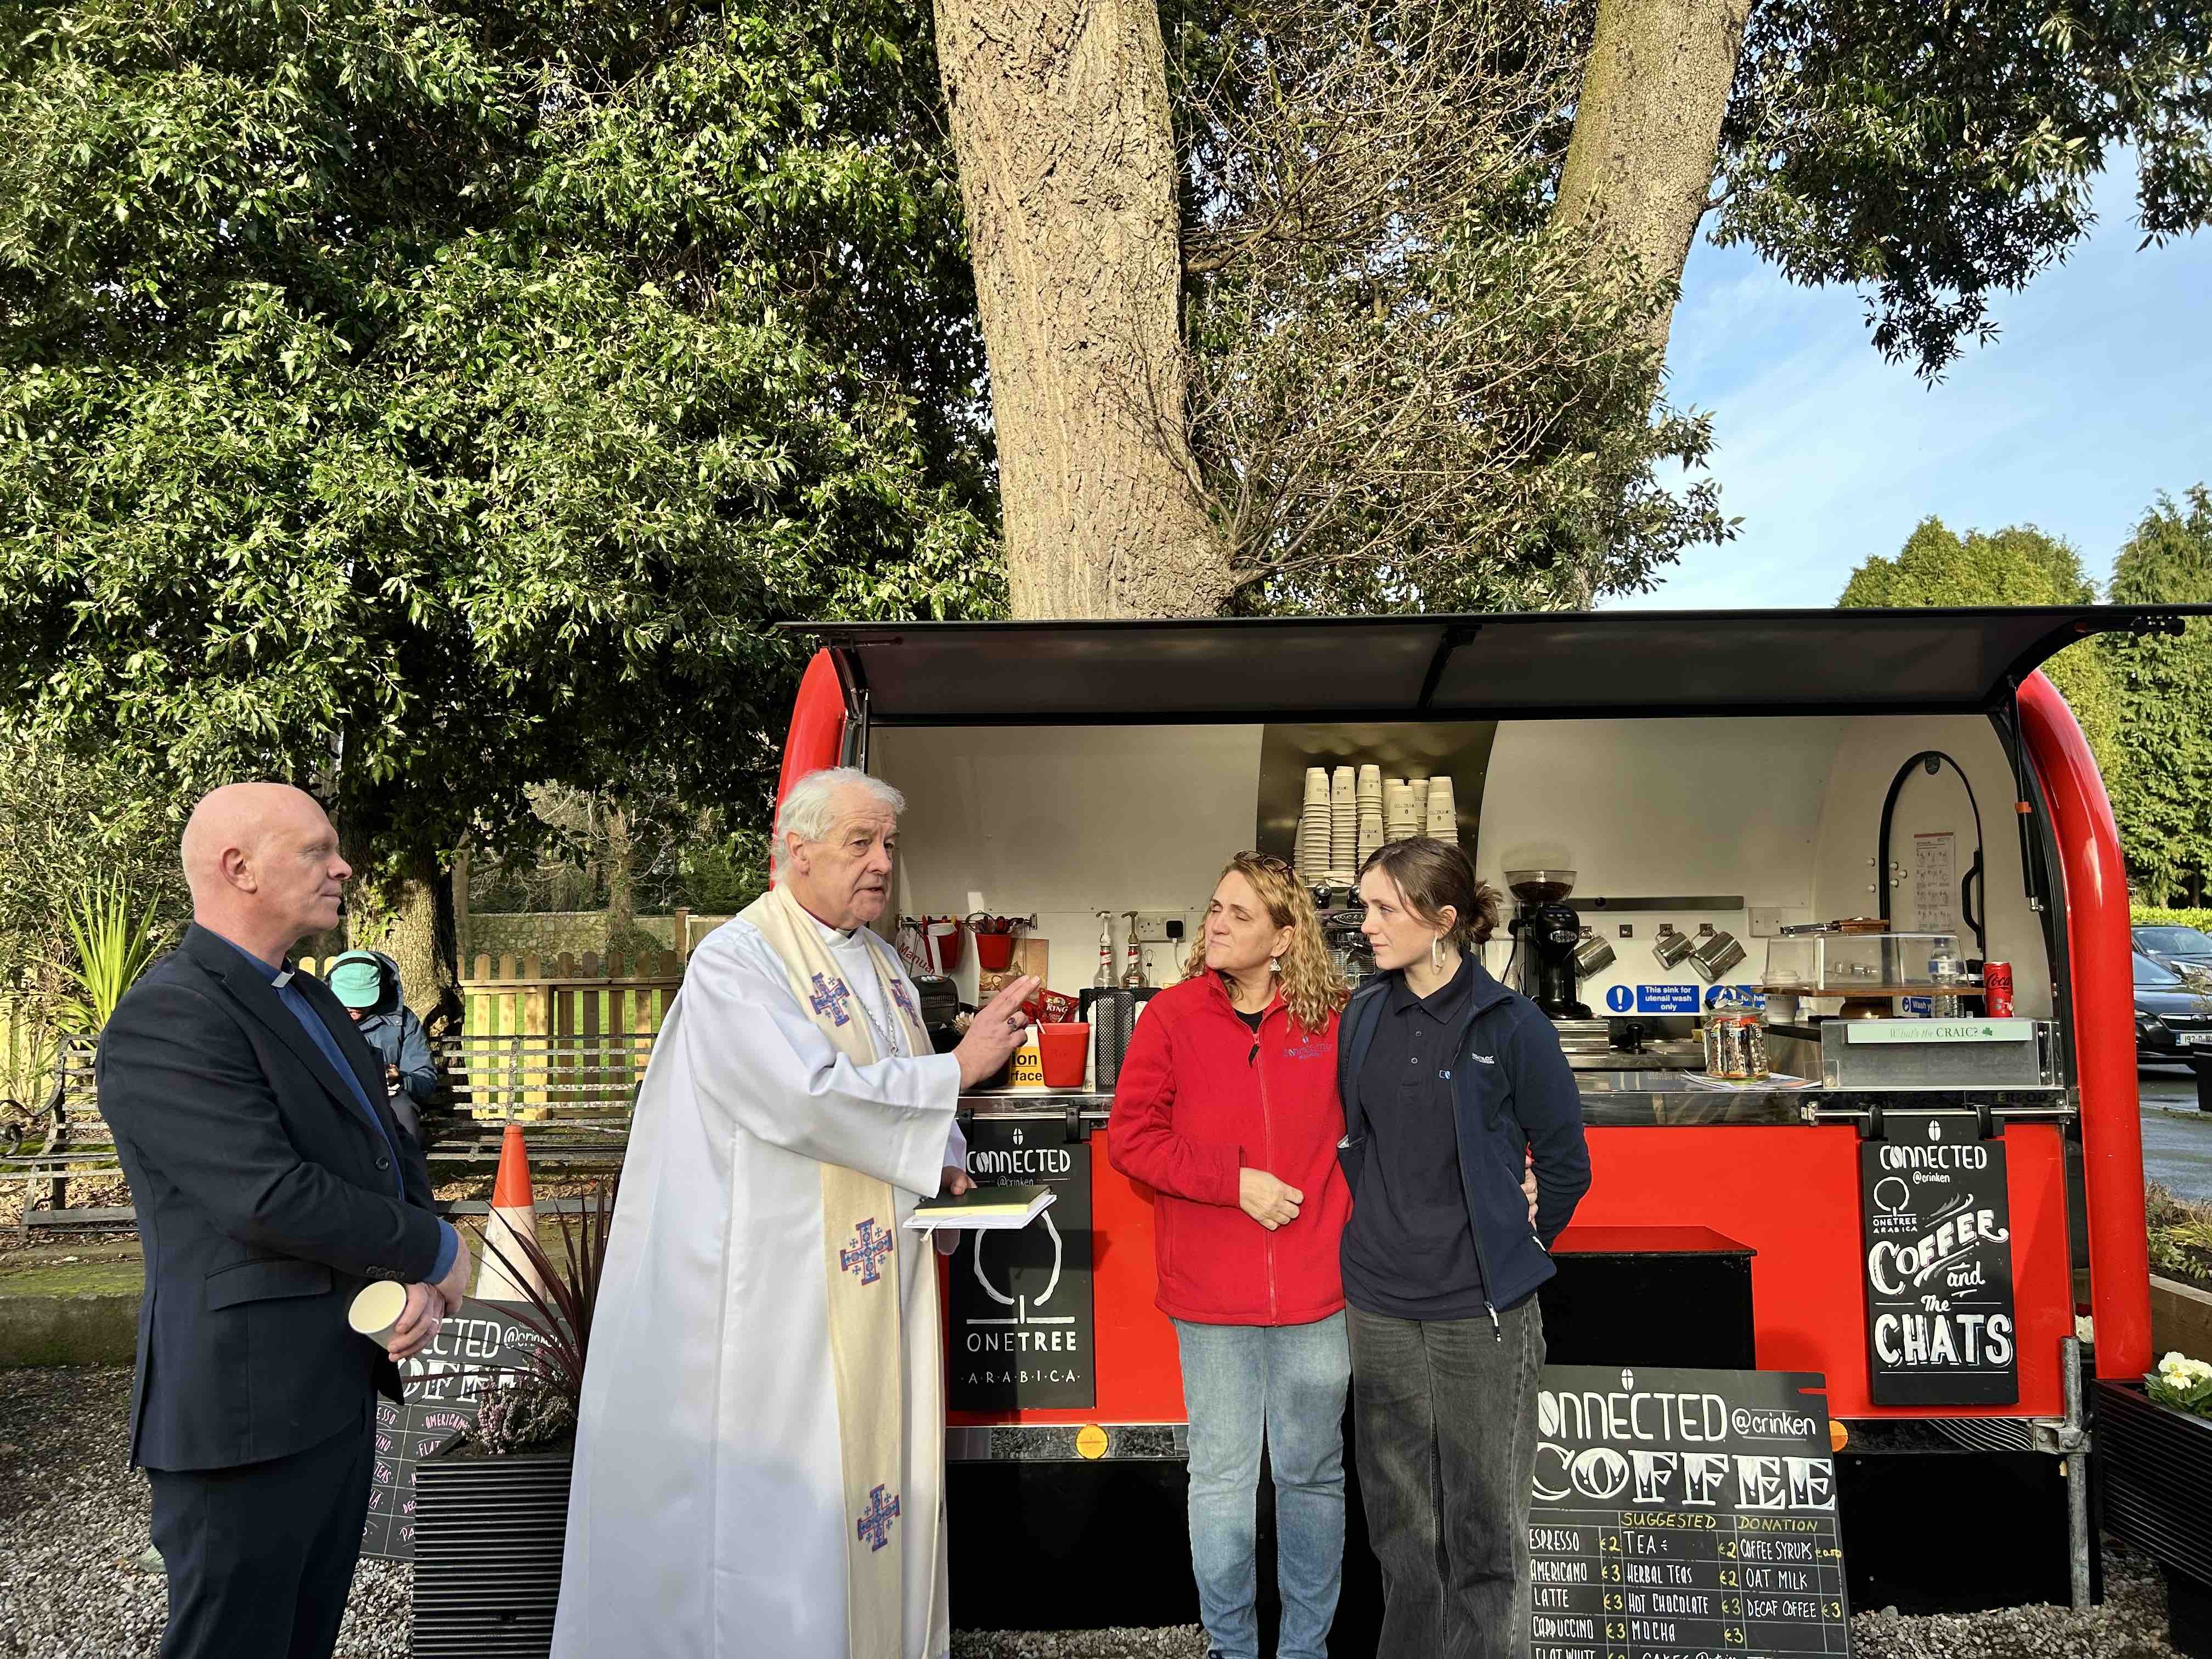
<point>859,1241</point>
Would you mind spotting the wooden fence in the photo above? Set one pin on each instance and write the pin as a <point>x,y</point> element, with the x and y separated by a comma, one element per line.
<point>598,1000</point>
<point>586,996</point>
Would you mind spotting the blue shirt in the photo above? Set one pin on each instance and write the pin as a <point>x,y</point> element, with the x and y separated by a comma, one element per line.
<point>280,981</point>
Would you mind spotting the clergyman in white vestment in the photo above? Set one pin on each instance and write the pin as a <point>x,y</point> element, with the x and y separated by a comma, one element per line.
<point>759,1456</point>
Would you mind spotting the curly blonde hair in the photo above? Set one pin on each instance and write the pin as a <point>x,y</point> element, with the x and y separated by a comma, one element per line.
<point>1311,984</point>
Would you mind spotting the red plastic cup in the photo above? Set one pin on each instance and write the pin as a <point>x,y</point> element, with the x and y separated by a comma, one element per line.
<point>1063,1051</point>
<point>994,952</point>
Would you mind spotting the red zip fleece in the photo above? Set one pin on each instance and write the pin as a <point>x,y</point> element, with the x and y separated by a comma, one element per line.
<point>1199,1097</point>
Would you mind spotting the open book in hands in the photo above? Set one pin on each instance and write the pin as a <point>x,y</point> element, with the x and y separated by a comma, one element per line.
<point>982,1208</point>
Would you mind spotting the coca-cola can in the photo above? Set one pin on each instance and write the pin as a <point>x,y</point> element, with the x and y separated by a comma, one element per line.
<point>1996,987</point>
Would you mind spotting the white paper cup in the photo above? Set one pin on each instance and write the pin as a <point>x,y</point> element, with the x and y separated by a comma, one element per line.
<point>377,1309</point>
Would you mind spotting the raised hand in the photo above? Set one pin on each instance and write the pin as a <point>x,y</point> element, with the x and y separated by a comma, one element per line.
<point>998,1031</point>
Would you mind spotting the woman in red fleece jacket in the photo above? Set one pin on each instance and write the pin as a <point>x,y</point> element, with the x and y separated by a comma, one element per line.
<point>1227,1107</point>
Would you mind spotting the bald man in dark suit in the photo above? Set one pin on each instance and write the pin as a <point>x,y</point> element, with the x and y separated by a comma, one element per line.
<point>271,1185</point>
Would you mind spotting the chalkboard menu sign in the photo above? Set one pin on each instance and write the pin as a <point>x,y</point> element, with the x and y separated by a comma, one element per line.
<point>1684,1515</point>
<point>475,1351</point>
<point>1935,1221</point>
<point>1019,1322</point>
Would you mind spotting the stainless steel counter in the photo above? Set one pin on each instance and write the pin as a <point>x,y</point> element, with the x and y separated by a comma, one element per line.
<point>1621,1098</point>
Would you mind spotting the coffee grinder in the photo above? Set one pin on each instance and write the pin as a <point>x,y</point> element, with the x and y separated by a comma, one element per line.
<point>1546,930</point>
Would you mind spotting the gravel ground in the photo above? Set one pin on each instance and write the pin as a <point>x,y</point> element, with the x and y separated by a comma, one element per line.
<point>73,1519</point>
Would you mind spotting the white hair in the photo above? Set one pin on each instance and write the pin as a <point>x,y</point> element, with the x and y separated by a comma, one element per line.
<point>810,811</point>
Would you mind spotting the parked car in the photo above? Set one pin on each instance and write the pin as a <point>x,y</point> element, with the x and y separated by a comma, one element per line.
<point>2187,951</point>
<point>2173,1018</point>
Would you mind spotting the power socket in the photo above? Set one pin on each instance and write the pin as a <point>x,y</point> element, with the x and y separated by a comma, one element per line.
<point>1152,928</point>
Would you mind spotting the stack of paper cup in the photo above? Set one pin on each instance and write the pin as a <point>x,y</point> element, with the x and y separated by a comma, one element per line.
<point>1367,794</point>
<point>1343,820</point>
<point>1400,818</point>
<point>1314,827</point>
<point>1442,811</point>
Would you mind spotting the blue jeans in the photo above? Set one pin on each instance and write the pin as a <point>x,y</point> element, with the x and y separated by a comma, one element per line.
<point>1290,1381</point>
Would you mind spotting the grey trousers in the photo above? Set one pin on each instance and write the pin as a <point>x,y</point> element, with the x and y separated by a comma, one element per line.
<point>1444,1412</point>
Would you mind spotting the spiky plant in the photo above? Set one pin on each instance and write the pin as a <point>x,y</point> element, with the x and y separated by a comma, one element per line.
<point>112,948</point>
<point>563,1292</point>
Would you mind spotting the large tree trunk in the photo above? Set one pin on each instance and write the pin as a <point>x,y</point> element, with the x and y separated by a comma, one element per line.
<point>622,900</point>
<point>410,917</point>
<point>1639,168</point>
<point>1067,169</point>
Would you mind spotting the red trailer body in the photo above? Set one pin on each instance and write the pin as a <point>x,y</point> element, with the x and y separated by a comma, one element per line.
<point>1787,1192</point>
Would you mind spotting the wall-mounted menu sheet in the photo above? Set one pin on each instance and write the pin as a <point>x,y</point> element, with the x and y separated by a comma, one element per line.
<point>1684,1515</point>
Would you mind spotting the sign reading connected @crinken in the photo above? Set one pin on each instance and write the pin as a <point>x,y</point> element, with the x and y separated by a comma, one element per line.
<point>1936,1245</point>
<point>474,1351</point>
<point>1684,1515</point>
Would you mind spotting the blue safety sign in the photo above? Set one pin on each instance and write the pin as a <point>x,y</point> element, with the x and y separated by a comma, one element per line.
<point>1741,996</point>
<point>1918,1007</point>
<point>1620,1000</point>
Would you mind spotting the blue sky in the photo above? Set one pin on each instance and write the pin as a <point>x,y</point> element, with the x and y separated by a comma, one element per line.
<point>2096,395</point>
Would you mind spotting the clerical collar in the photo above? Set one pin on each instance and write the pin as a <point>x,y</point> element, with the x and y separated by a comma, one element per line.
<point>277,977</point>
<point>839,935</point>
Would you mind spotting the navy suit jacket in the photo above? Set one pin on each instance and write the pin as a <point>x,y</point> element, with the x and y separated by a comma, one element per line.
<point>266,1201</point>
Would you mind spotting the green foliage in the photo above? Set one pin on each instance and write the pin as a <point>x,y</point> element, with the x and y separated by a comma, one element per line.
<point>1932,154</point>
<point>424,402</point>
<point>2018,565</point>
<point>115,938</point>
<point>67,824</point>
<point>722,877</point>
<point>2162,799</point>
<point>2181,1236</point>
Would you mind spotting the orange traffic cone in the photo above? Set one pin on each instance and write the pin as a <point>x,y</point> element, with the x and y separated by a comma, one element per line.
<point>514,1218</point>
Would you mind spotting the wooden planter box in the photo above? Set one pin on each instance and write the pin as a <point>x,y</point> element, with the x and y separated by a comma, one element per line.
<point>488,1533</point>
<point>2155,1472</point>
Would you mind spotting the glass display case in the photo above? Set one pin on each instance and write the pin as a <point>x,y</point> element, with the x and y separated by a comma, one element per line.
<point>1832,963</point>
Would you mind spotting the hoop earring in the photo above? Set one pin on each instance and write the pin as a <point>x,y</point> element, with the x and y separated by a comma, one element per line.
<point>1436,954</point>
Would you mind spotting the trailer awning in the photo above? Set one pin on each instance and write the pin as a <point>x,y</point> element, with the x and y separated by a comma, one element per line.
<point>1528,664</point>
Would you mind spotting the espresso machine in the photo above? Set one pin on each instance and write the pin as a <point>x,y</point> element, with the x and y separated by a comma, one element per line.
<point>1546,931</point>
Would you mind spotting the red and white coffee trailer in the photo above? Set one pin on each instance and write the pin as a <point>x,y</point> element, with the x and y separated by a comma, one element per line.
<point>1740,774</point>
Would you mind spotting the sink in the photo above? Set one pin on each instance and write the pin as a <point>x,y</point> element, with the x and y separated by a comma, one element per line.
<point>1663,1056</point>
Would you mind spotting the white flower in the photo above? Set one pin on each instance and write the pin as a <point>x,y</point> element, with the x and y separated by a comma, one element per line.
<point>2172,1364</point>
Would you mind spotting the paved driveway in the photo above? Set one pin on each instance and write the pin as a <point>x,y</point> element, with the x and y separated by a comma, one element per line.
<point>2177,1137</point>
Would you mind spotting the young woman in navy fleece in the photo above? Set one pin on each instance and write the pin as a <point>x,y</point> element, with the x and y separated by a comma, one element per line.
<point>1452,1086</point>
